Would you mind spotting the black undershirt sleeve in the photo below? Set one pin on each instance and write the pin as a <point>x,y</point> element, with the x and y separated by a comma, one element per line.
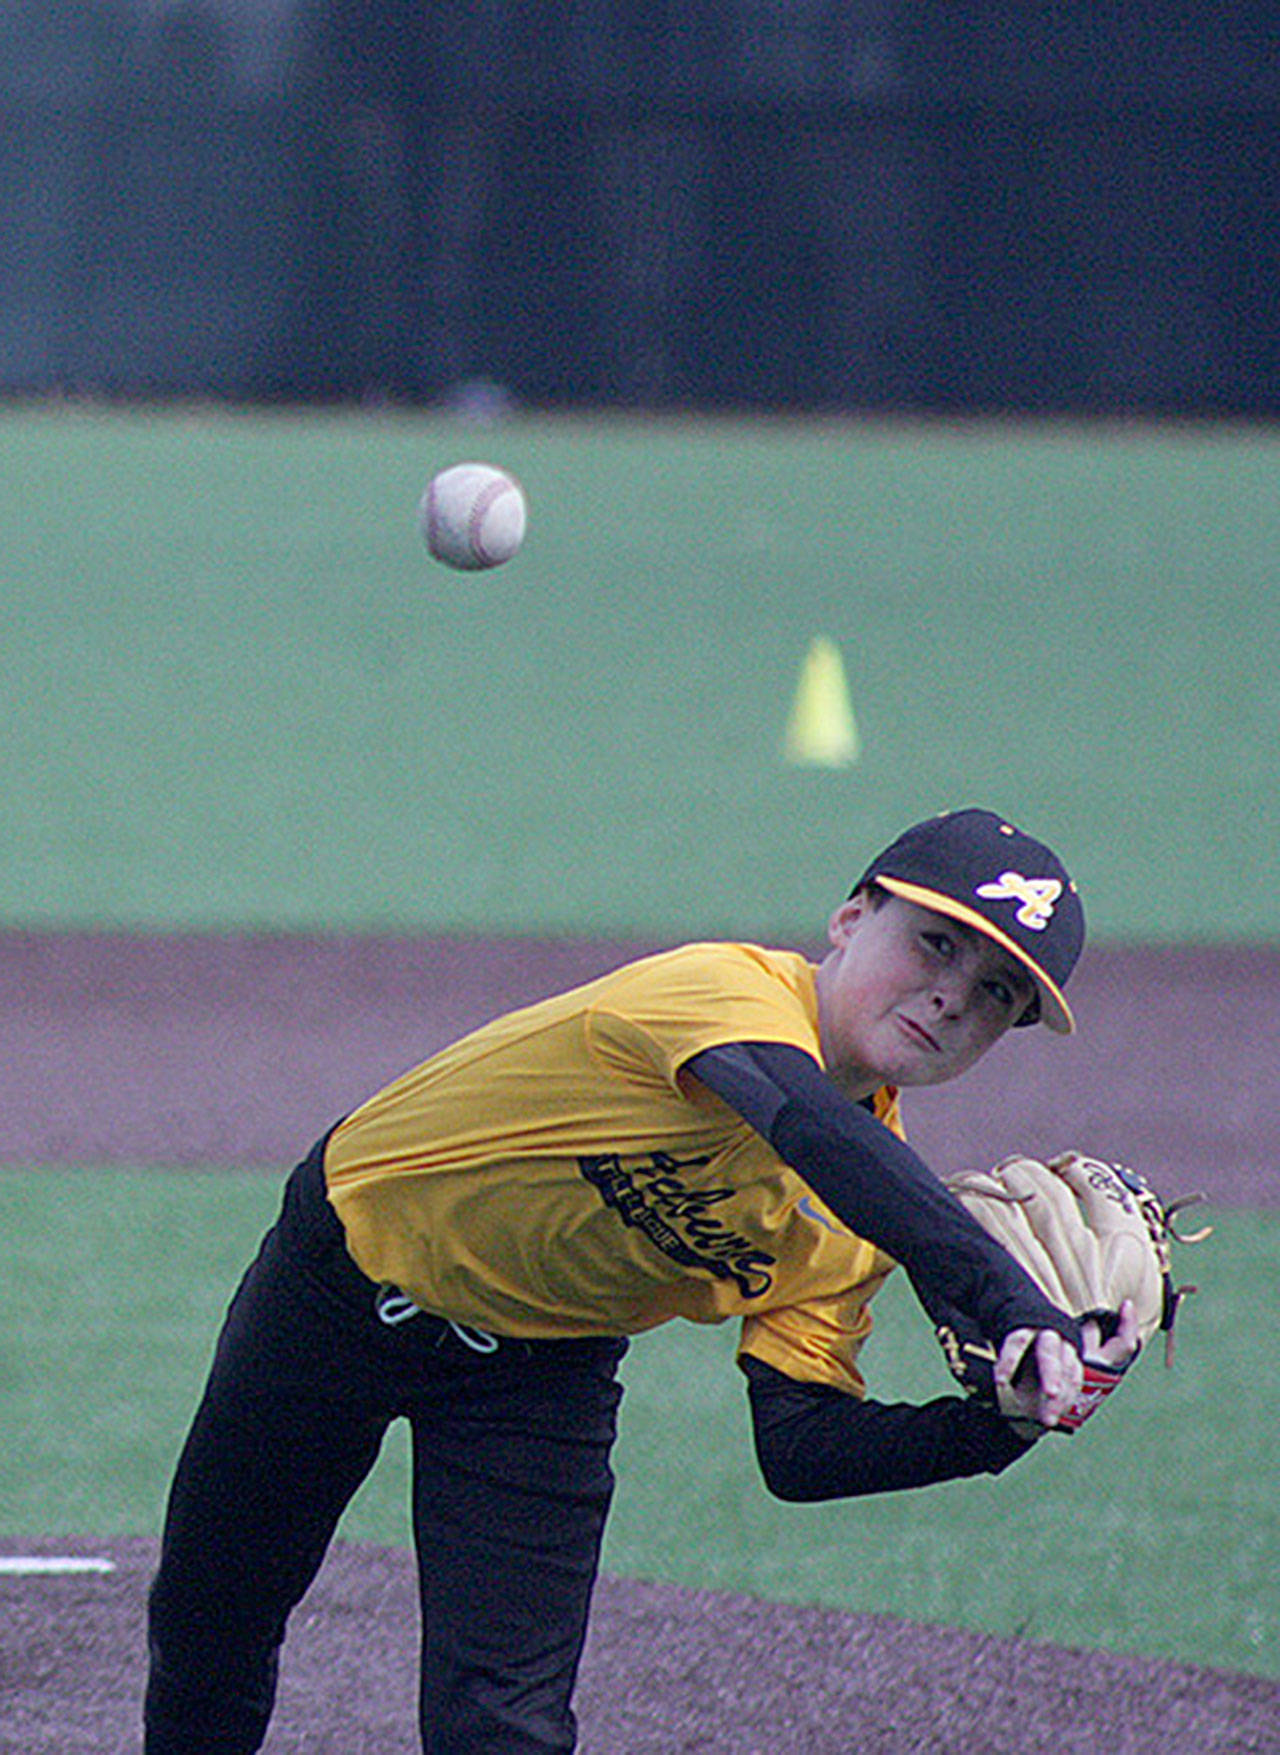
<point>814,1441</point>
<point>879,1187</point>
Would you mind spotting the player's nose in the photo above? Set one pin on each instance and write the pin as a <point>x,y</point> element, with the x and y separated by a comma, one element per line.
<point>952,991</point>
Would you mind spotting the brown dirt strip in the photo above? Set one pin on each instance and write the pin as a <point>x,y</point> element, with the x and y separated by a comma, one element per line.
<point>239,1050</point>
<point>666,1671</point>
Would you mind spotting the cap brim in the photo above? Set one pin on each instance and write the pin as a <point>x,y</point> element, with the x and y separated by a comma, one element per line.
<point>1054,1010</point>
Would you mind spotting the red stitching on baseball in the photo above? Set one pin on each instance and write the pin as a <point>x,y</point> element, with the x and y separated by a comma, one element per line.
<point>479,512</point>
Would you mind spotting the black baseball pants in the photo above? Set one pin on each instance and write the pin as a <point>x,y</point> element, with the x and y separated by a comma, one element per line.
<point>511,1488</point>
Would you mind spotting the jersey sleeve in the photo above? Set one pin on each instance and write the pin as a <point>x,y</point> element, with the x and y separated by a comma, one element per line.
<point>664,1012</point>
<point>818,1341</point>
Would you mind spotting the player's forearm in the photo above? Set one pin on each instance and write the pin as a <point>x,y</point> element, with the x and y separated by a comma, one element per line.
<point>815,1443</point>
<point>883,1191</point>
<point>879,1188</point>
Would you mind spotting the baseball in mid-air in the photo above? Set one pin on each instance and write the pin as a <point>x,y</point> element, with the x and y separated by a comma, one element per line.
<point>472,515</point>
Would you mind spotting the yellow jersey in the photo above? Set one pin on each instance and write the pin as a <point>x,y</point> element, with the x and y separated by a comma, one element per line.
<point>555,1174</point>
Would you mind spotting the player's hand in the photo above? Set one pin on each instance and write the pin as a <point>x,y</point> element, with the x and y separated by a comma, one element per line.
<point>1123,1346</point>
<point>1038,1376</point>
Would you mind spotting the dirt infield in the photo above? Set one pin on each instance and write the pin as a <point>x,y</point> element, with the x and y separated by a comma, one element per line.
<point>666,1671</point>
<point>240,1050</point>
<point>177,1051</point>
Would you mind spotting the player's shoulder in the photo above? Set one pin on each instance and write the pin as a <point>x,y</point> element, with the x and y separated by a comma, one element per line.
<point>722,962</point>
<point>739,991</point>
<point>678,1003</point>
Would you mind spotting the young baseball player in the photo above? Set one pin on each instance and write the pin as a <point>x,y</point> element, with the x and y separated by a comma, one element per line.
<point>708,1133</point>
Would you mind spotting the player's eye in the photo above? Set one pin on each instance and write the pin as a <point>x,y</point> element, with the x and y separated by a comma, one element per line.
<point>940,943</point>
<point>1008,995</point>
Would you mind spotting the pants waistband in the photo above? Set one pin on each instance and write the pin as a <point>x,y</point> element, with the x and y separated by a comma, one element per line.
<point>315,1214</point>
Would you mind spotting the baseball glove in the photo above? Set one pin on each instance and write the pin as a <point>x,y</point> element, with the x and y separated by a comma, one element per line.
<point>1091,1235</point>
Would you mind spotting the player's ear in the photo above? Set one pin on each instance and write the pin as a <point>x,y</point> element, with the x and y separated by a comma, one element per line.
<point>846,917</point>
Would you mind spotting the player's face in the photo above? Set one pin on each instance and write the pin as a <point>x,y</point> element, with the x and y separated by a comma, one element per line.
<point>910,997</point>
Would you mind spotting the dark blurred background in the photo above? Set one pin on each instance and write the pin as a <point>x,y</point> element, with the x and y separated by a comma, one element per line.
<point>791,204</point>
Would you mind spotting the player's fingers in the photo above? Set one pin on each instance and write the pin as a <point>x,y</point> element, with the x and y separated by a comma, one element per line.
<point>1039,1371</point>
<point>1013,1352</point>
<point>1048,1356</point>
<point>1072,1365</point>
<point>1124,1342</point>
<point>1059,1376</point>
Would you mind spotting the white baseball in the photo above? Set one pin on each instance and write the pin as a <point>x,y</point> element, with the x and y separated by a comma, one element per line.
<point>472,515</point>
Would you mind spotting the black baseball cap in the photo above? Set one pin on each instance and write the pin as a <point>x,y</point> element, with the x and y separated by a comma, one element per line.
<point>975,867</point>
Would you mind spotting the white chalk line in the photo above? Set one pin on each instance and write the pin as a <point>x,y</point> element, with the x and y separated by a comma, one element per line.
<point>37,1565</point>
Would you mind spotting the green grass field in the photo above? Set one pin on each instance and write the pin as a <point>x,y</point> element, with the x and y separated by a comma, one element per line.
<point>108,1334</point>
<point>237,694</point>
<point>237,691</point>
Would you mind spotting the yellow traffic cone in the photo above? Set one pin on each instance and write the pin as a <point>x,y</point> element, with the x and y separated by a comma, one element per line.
<point>822,732</point>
